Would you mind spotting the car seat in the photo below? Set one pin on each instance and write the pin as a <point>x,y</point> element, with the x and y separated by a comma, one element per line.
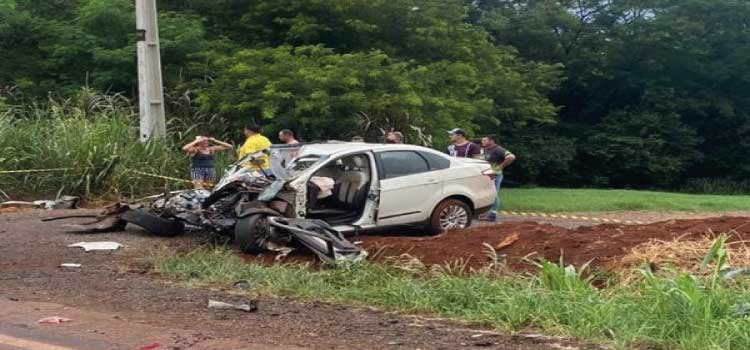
<point>349,192</point>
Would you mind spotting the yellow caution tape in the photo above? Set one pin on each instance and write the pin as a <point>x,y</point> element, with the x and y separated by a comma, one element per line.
<point>34,171</point>
<point>571,217</point>
<point>29,171</point>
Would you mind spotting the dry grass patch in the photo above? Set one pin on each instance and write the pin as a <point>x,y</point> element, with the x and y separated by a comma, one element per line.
<point>683,254</point>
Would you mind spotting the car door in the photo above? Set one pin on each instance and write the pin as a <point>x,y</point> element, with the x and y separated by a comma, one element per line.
<point>408,187</point>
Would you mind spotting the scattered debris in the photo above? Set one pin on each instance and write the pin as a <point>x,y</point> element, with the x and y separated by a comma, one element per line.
<point>19,204</point>
<point>88,246</point>
<point>249,205</point>
<point>241,284</point>
<point>539,336</point>
<point>108,220</point>
<point>70,265</point>
<point>508,241</point>
<point>247,307</point>
<point>54,320</point>
<point>98,226</point>
<point>45,204</point>
<point>483,344</point>
<point>149,346</point>
<point>65,202</point>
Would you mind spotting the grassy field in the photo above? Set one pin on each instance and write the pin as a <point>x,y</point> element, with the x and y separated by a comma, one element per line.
<point>577,200</point>
<point>679,312</point>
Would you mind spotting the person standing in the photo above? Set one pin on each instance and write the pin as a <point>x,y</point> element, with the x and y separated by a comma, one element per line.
<point>256,142</point>
<point>202,171</point>
<point>394,137</point>
<point>499,158</point>
<point>461,147</point>
<point>286,136</point>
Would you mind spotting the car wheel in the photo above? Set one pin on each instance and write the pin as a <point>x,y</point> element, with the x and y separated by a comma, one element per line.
<point>450,214</point>
<point>153,224</point>
<point>252,233</point>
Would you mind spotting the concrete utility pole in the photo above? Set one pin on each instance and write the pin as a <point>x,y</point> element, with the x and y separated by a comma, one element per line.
<point>150,92</point>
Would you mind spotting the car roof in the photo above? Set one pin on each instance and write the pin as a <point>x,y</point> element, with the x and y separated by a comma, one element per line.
<point>331,148</point>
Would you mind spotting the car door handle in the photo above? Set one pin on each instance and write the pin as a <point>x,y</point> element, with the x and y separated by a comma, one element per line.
<point>432,181</point>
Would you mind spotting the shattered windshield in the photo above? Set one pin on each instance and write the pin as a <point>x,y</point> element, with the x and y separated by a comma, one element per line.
<point>290,160</point>
<point>303,163</point>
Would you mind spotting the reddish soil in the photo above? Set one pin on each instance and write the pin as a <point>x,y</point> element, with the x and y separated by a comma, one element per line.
<point>598,244</point>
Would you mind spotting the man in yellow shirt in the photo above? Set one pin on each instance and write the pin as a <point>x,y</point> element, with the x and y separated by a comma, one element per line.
<point>253,143</point>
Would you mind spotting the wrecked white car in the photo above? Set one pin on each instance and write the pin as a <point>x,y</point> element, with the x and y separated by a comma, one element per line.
<point>322,192</point>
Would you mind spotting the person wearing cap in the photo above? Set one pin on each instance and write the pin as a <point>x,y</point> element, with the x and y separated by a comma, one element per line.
<point>255,142</point>
<point>499,158</point>
<point>394,137</point>
<point>461,147</point>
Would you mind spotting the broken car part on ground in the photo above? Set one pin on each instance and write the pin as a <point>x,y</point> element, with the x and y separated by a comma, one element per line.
<point>64,202</point>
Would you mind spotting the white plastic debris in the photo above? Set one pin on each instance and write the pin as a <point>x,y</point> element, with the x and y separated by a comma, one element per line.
<point>213,304</point>
<point>19,204</point>
<point>54,320</point>
<point>88,246</point>
<point>70,265</point>
<point>46,204</point>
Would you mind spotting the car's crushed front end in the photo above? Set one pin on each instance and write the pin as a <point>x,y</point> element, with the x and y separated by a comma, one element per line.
<point>259,211</point>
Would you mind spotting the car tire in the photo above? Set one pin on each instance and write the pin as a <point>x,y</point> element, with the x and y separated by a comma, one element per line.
<point>153,224</point>
<point>251,233</point>
<point>450,214</point>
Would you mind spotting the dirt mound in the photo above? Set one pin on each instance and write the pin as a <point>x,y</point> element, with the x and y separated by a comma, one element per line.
<point>599,244</point>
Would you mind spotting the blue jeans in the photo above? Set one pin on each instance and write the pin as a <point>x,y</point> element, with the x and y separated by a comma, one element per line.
<point>498,182</point>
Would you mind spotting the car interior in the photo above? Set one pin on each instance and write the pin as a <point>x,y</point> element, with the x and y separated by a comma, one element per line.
<point>351,177</point>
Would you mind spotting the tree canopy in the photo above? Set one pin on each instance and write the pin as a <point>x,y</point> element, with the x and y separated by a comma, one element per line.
<point>631,93</point>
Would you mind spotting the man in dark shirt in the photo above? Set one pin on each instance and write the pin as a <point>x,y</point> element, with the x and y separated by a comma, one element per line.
<point>462,147</point>
<point>499,158</point>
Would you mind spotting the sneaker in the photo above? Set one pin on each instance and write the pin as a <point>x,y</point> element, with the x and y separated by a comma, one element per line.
<point>492,217</point>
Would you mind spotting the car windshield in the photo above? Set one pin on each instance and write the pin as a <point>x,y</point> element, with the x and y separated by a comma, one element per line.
<point>303,163</point>
<point>289,160</point>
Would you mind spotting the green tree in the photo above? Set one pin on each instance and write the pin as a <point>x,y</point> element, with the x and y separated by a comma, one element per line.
<point>639,149</point>
<point>321,93</point>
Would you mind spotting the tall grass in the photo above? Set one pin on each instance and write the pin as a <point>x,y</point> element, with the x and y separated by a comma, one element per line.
<point>683,312</point>
<point>95,135</point>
